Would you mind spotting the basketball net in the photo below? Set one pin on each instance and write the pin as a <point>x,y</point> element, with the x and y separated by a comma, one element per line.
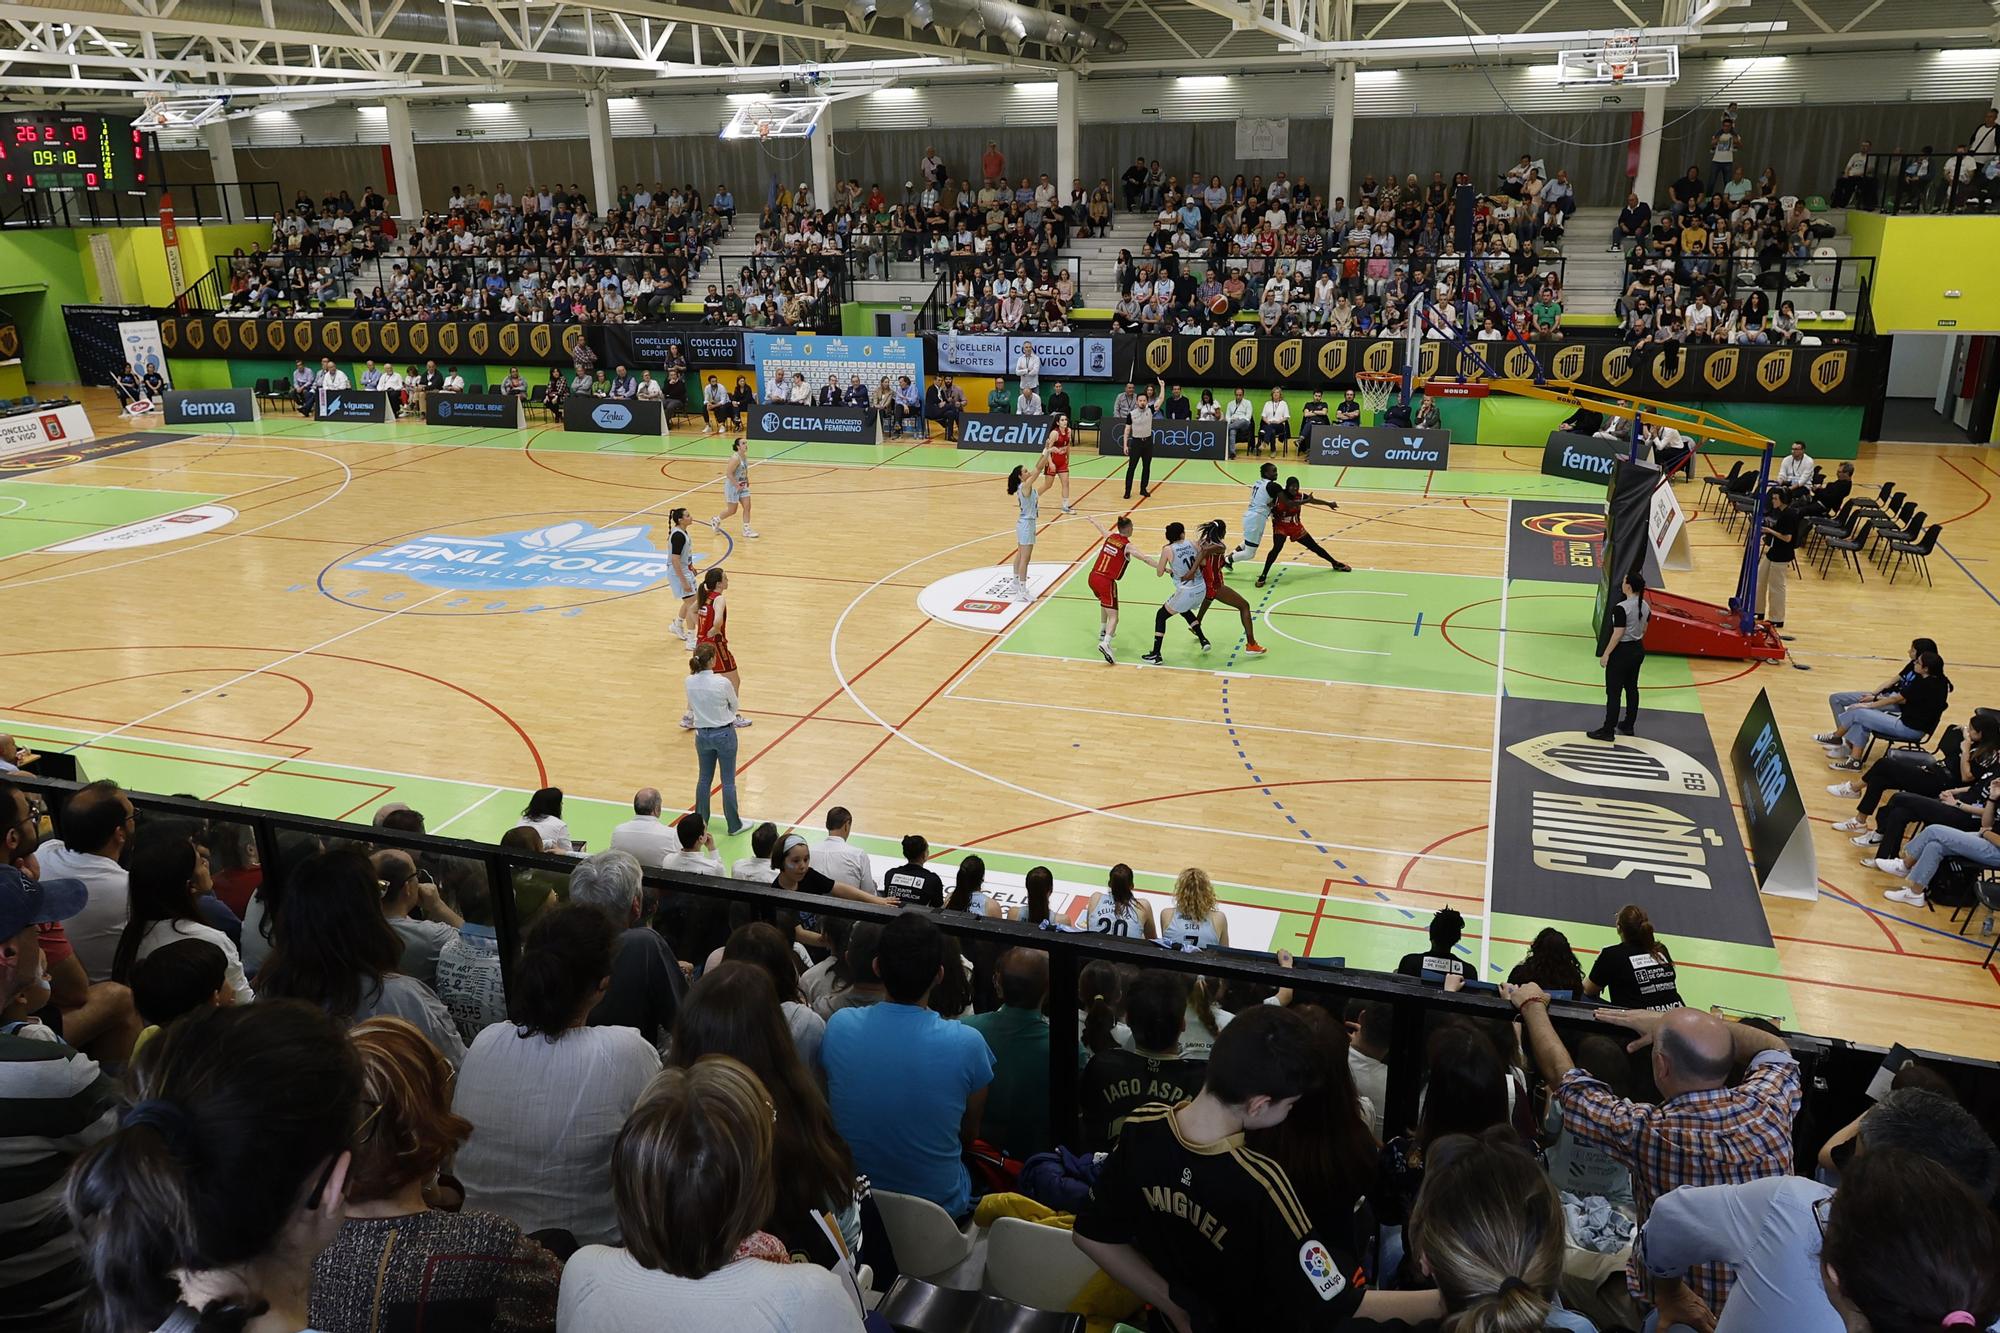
<point>1376,391</point>
<point>1620,52</point>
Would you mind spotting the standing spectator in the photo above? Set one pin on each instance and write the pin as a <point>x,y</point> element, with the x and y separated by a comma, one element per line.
<point>546,1093</point>
<point>840,860</point>
<point>993,163</point>
<point>692,1182</point>
<point>1782,526</point>
<point>1723,145</point>
<point>646,984</point>
<point>712,709</point>
<point>1028,367</point>
<point>54,1105</point>
<point>1017,1104</point>
<point>1704,1131</point>
<point>397,1261</point>
<point>908,1088</point>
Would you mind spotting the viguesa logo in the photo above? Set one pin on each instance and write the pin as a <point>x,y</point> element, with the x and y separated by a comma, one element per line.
<point>563,555</point>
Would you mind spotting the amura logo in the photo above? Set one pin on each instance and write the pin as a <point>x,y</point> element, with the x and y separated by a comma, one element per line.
<point>563,555</point>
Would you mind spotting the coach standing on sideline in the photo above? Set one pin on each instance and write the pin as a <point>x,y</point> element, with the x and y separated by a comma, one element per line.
<point>712,704</point>
<point>1139,444</point>
<point>1624,653</point>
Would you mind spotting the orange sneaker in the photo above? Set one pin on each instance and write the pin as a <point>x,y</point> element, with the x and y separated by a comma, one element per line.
<point>1253,648</point>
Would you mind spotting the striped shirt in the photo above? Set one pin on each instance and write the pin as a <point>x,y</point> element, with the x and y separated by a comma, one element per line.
<point>1720,1136</point>
<point>54,1104</point>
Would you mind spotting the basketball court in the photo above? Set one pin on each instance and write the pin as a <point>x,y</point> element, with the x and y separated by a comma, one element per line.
<point>326,617</point>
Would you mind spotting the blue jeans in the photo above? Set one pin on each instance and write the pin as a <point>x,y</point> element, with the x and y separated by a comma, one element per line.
<point>1843,701</point>
<point>1859,722</point>
<point>716,747</point>
<point>1934,842</point>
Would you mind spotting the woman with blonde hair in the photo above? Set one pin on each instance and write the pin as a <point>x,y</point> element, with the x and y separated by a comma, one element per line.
<point>691,1180</point>
<point>1197,923</point>
<point>398,1260</point>
<point>1488,1229</point>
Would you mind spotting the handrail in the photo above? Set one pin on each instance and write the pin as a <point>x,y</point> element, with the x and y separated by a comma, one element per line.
<point>195,204</point>
<point>1835,1072</point>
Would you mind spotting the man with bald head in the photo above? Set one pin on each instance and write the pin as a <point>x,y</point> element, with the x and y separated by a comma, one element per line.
<point>643,835</point>
<point>1017,1104</point>
<point>1704,1131</point>
<point>405,890</point>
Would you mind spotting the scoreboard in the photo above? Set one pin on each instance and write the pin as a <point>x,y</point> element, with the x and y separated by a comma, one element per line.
<point>73,150</point>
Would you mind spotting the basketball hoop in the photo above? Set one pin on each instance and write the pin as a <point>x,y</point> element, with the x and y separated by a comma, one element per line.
<point>1621,51</point>
<point>1377,387</point>
<point>763,129</point>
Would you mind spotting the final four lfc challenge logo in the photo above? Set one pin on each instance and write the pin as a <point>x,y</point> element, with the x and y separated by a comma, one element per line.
<point>563,555</point>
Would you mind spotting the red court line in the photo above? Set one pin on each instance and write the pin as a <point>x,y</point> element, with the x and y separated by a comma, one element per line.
<point>1411,864</point>
<point>1880,924</point>
<point>1985,496</point>
<point>1444,628</point>
<point>52,715</point>
<point>147,675</point>
<point>1420,893</point>
<point>1466,500</point>
<point>1319,914</point>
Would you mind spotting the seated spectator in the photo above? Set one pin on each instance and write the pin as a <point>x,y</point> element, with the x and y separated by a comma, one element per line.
<point>1828,497</point>
<point>1016,1118</point>
<point>406,889</point>
<point>215,1192</point>
<point>733,1012</point>
<point>645,836</point>
<point>646,982</point>
<point>763,945</point>
<point>1918,708</point>
<point>968,892</point>
<point>1932,792</point>
<point>1634,221</point>
<point>546,1093</point>
<point>695,848</point>
<point>1637,972</point>
<point>544,816</point>
<point>1117,1081</point>
<point>1796,469</point>
<point>177,979</point>
<point>1348,411</point>
<point>1584,1169</point>
<point>1768,1230</point>
<point>1927,851</point>
<point>1239,415</point>
<point>757,866</point>
<point>1325,1146</point>
<point>912,883</point>
<point>840,860</point>
<point>168,871</point>
<point>331,947</point>
<point>468,966</point>
<point>1550,964</point>
<point>692,1181</point>
<point>1235,1247</point>
<point>94,831</point>
<point>397,1259</point>
<point>1447,927</point>
<point>1906,1245</point>
<point>1465,1092</point>
<point>1197,923</point>
<point>908,1088</point>
<point>1704,1131</point>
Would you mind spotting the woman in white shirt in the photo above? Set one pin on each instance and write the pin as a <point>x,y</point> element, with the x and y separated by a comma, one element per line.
<point>1209,409</point>
<point>544,816</point>
<point>547,1093</point>
<point>692,1182</point>
<point>168,873</point>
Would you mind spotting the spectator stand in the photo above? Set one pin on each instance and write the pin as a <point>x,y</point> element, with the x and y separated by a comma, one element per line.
<point>1956,180</point>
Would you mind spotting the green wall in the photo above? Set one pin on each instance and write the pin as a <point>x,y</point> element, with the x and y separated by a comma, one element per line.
<point>857,318</point>
<point>45,269</point>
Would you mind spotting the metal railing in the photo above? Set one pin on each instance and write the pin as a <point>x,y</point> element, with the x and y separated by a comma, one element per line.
<point>1835,1073</point>
<point>1813,284</point>
<point>1907,181</point>
<point>209,202</point>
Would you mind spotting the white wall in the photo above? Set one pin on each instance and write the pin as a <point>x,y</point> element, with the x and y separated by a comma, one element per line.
<point>1916,360</point>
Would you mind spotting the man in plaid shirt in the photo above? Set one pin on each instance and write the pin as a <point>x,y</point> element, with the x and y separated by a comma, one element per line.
<point>1703,1132</point>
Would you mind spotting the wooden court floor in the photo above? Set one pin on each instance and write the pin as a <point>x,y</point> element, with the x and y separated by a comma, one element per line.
<point>281,650</point>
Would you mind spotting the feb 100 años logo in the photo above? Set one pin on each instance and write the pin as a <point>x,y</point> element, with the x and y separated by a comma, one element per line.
<point>562,555</point>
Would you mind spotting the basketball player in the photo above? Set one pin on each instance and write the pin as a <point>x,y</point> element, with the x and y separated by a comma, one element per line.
<point>1212,554</point>
<point>714,613</point>
<point>1180,559</point>
<point>1285,512</point>
<point>1112,558</point>
<point>1055,457</point>
<point>1117,910</point>
<point>680,573</point>
<point>1021,485</point>
<point>736,487</point>
<point>1197,923</point>
<point>1264,493</point>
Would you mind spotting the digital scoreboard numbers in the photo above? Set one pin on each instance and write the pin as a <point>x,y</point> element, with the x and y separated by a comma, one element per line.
<point>71,150</point>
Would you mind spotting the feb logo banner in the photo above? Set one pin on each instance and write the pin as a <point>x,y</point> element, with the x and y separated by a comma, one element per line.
<point>562,555</point>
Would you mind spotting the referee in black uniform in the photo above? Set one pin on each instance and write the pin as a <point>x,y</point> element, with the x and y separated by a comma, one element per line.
<point>1624,653</point>
<point>1139,443</point>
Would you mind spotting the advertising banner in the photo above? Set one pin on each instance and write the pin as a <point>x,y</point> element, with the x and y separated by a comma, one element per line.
<point>352,405</point>
<point>610,416</point>
<point>641,347</point>
<point>141,340</point>
<point>204,406</point>
<point>1556,541</point>
<point>1781,847</point>
<point>1379,446</point>
<point>974,354</point>
<point>1171,439</point>
<point>501,410</point>
<point>404,341</point>
<point>817,357</point>
<point>1580,457</point>
<point>1627,540</point>
<point>819,425</point>
<point>1004,431</point>
<point>33,431</point>
<point>1666,530</point>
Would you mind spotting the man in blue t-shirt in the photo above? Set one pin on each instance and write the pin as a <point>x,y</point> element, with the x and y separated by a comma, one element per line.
<point>908,1087</point>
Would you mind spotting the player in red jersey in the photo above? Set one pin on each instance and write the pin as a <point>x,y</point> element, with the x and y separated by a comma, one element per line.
<point>713,619</point>
<point>1287,521</point>
<point>1112,557</point>
<point>1212,554</point>
<point>1055,457</point>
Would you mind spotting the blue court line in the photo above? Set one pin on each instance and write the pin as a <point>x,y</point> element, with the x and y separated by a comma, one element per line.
<point>1969,574</point>
<point>1236,741</point>
<point>1976,941</point>
<point>1420,625</point>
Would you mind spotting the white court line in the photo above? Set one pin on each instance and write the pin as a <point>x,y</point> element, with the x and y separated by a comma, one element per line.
<point>439,828</point>
<point>847,688</point>
<point>17,501</point>
<point>184,470</point>
<point>1211,722</point>
<point>1493,781</point>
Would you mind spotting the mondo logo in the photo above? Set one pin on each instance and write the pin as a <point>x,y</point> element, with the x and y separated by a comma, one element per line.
<point>611,416</point>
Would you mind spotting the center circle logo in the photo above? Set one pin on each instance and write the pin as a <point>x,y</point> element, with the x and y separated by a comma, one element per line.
<point>611,415</point>
<point>1574,526</point>
<point>770,422</point>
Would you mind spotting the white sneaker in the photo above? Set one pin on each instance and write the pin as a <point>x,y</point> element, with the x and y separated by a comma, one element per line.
<point>687,721</point>
<point>742,721</point>
<point>714,523</point>
<point>1848,789</point>
<point>1828,737</point>
<point>1888,865</point>
<point>1908,896</point>
<point>1853,824</point>
<point>1021,593</point>
<point>749,532</point>
<point>1869,839</point>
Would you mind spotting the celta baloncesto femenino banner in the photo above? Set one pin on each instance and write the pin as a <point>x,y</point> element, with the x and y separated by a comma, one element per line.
<point>844,359</point>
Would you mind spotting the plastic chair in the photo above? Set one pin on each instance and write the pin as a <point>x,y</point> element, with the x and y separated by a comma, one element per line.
<point>1849,545</point>
<point>1714,485</point>
<point>916,1306</point>
<point>1091,418</point>
<point>926,1242</point>
<point>1985,894</point>
<point>1917,552</point>
<point>1878,500</point>
<point>1035,1265</point>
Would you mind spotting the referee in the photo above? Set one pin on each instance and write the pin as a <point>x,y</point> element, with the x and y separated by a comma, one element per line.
<point>1624,653</point>
<point>1139,444</point>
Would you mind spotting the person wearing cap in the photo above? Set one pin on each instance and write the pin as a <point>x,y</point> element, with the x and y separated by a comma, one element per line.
<point>55,1104</point>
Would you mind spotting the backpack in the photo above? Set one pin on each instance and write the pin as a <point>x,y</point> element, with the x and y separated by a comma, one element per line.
<point>1955,884</point>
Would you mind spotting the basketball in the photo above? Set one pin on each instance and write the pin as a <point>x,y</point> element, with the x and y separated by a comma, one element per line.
<point>1218,305</point>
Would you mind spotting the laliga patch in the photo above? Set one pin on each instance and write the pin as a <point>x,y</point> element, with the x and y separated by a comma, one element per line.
<point>1320,1270</point>
<point>1634,763</point>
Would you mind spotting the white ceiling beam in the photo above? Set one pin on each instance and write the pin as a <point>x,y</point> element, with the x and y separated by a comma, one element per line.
<point>1252,16</point>
<point>1503,43</point>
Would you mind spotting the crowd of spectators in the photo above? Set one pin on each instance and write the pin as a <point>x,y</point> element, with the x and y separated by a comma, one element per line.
<point>682,1114</point>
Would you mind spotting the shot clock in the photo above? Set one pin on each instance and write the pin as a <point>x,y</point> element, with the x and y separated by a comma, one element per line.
<point>73,150</point>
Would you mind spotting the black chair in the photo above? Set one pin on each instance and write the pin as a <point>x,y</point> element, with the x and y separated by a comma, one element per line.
<point>1091,418</point>
<point>1829,525</point>
<point>1904,528</point>
<point>1718,485</point>
<point>1917,552</point>
<point>262,392</point>
<point>1739,510</point>
<point>1880,499</point>
<point>1986,895</point>
<point>1849,545</point>
<point>494,390</point>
